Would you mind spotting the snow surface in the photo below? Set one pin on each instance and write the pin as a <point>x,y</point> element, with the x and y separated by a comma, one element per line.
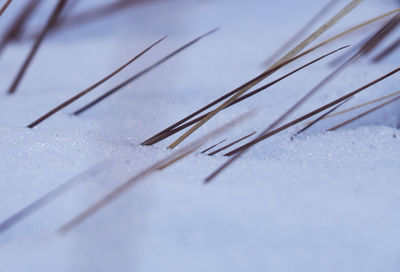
<point>322,202</point>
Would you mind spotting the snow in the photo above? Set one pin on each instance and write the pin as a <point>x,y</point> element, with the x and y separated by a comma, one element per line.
<point>320,202</point>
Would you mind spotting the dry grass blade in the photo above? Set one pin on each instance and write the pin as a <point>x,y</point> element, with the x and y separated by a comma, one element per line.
<point>364,113</point>
<point>53,18</point>
<point>284,59</point>
<point>84,92</point>
<point>48,198</point>
<point>15,29</point>
<point>335,37</point>
<point>238,151</point>
<point>142,73</point>
<point>176,156</point>
<point>300,33</point>
<point>172,130</point>
<point>5,6</point>
<point>232,143</point>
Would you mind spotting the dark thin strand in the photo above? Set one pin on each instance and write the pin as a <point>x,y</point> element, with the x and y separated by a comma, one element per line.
<point>308,95</point>
<point>388,51</point>
<point>376,39</point>
<point>84,92</point>
<point>364,104</point>
<point>140,74</point>
<point>232,143</point>
<point>383,33</point>
<point>96,13</point>
<point>363,114</point>
<point>211,147</point>
<point>15,29</point>
<point>338,60</point>
<point>52,19</point>
<point>5,6</point>
<point>318,119</point>
<point>88,16</point>
<point>64,15</point>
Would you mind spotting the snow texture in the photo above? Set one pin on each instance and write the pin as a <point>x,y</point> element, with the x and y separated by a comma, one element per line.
<point>319,202</point>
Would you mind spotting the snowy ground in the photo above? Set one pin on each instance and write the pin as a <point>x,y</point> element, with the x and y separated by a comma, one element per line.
<point>322,202</point>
